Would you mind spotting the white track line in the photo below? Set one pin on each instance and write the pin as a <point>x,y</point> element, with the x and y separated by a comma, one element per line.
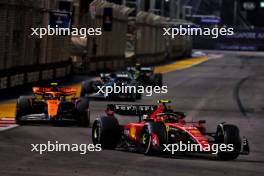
<point>7,124</point>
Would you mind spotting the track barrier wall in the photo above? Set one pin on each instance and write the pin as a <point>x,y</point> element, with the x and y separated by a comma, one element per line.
<point>27,59</point>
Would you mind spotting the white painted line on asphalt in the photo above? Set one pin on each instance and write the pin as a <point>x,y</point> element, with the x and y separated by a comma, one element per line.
<point>7,119</point>
<point>7,123</point>
<point>8,127</point>
<point>215,56</point>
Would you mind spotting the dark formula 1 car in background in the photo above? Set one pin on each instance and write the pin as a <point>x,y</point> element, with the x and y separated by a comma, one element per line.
<point>54,104</point>
<point>145,75</point>
<point>160,126</point>
<point>91,88</point>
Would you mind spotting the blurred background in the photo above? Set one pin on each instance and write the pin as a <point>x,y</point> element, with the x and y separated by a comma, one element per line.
<point>132,32</point>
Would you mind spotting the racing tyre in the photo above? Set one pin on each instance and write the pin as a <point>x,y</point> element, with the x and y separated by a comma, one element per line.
<point>158,80</point>
<point>105,131</point>
<point>83,112</point>
<point>135,83</point>
<point>132,97</point>
<point>228,134</point>
<point>23,108</point>
<point>153,137</point>
<point>138,96</point>
<point>87,87</point>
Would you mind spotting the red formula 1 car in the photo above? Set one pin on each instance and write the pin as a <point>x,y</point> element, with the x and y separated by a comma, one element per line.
<point>159,129</point>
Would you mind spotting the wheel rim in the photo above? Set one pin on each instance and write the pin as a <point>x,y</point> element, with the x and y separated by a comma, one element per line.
<point>145,142</point>
<point>220,135</point>
<point>144,139</point>
<point>96,133</point>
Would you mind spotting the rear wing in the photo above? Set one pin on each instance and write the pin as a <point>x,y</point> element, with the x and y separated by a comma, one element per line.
<point>146,68</point>
<point>118,75</point>
<point>64,90</point>
<point>131,68</point>
<point>41,90</point>
<point>122,75</point>
<point>134,110</point>
<point>104,75</point>
<point>143,69</point>
<point>68,91</point>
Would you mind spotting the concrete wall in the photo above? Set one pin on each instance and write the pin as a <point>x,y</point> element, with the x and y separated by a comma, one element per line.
<point>110,46</point>
<point>152,46</point>
<point>180,46</point>
<point>150,43</point>
<point>24,58</point>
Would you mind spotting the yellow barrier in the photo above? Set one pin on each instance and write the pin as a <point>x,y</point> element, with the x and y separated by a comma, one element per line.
<point>179,65</point>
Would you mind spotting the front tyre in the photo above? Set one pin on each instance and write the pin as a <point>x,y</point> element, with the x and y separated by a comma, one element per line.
<point>229,135</point>
<point>23,108</point>
<point>89,87</point>
<point>153,137</point>
<point>83,112</point>
<point>105,131</point>
<point>156,80</point>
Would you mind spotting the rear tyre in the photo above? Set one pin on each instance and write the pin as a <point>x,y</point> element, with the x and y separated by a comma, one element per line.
<point>132,97</point>
<point>138,96</point>
<point>105,131</point>
<point>153,137</point>
<point>229,135</point>
<point>23,108</point>
<point>158,80</point>
<point>135,83</point>
<point>83,112</point>
<point>87,87</point>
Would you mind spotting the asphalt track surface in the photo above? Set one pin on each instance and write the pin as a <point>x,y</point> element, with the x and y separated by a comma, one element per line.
<point>226,89</point>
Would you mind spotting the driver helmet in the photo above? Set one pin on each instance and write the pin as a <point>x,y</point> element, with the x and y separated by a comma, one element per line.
<point>169,109</point>
<point>145,116</point>
<point>62,98</point>
<point>138,66</point>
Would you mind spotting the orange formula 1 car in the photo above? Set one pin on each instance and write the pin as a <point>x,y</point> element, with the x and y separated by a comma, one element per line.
<point>53,104</point>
